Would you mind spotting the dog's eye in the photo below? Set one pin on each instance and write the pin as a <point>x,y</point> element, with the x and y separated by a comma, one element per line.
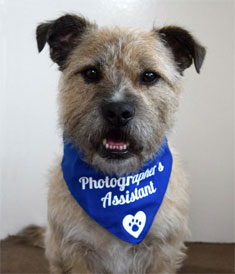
<point>91,75</point>
<point>149,78</point>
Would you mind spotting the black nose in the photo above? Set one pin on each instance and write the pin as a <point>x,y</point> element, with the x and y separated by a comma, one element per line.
<point>119,113</point>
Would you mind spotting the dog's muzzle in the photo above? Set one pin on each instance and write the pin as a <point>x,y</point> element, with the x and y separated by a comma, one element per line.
<point>115,143</point>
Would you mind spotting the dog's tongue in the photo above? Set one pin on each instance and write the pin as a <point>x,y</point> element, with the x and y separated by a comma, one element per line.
<point>115,143</point>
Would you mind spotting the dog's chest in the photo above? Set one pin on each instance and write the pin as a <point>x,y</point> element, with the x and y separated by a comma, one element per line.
<point>108,254</point>
<point>121,257</point>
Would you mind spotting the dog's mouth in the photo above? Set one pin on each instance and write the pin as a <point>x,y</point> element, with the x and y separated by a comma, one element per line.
<point>116,145</point>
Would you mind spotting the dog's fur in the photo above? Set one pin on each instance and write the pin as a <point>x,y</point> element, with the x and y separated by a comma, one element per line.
<point>74,242</point>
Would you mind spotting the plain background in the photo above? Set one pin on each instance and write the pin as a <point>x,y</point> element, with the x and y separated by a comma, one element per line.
<point>204,132</point>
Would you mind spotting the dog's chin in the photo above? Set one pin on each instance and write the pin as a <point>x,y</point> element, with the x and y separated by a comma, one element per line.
<point>117,152</point>
<point>126,161</point>
<point>116,163</point>
<point>119,160</point>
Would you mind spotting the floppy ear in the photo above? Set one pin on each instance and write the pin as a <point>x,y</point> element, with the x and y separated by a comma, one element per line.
<point>62,35</point>
<point>184,47</point>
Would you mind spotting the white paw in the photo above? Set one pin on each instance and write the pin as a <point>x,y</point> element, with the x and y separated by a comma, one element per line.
<point>134,225</point>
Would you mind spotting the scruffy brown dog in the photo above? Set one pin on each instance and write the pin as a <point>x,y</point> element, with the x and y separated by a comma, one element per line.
<point>120,85</point>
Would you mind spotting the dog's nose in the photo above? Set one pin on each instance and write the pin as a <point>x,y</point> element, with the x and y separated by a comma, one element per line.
<point>118,113</point>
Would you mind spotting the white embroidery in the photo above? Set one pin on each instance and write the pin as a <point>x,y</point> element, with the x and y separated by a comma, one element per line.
<point>122,182</point>
<point>160,167</point>
<point>134,225</point>
<point>127,197</point>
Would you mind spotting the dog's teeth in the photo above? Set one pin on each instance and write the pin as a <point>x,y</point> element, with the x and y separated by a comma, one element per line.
<point>118,147</point>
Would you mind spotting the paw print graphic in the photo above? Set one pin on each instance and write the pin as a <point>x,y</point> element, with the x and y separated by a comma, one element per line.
<point>134,225</point>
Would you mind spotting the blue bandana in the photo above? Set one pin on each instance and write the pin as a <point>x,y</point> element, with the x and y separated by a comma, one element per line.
<point>125,206</point>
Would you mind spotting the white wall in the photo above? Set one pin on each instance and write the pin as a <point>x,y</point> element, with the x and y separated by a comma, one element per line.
<point>204,133</point>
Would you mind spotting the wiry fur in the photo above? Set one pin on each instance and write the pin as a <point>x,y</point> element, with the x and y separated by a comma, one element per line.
<point>33,235</point>
<point>74,242</point>
<point>122,54</point>
<point>73,235</point>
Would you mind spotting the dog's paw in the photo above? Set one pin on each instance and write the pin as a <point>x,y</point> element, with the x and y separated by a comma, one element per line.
<point>134,225</point>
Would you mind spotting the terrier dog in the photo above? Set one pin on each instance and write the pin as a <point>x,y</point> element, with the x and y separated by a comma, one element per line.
<point>118,93</point>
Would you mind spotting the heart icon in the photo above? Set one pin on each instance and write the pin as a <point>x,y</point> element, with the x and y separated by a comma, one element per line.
<point>134,225</point>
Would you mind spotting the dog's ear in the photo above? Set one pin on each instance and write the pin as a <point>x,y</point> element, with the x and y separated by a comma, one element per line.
<point>184,47</point>
<point>62,35</point>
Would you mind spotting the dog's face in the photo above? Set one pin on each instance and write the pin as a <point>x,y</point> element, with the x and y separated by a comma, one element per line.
<point>119,88</point>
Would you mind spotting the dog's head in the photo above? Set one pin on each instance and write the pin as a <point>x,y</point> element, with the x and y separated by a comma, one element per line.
<point>119,88</point>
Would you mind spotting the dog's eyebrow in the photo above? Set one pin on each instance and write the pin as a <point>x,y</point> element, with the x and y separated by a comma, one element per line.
<point>150,65</point>
<point>162,76</point>
<point>165,79</point>
<point>86,66</point>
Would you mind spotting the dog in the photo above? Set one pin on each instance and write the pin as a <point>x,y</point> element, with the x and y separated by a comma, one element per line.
<point>118,93</point>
